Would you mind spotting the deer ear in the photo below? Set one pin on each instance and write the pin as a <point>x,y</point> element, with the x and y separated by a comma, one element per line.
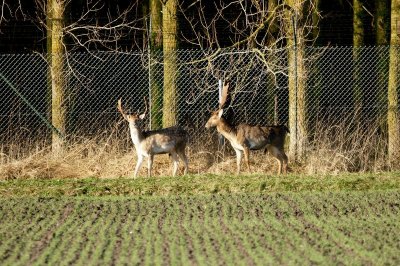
<point>220,112</point>
<point>142,116</point>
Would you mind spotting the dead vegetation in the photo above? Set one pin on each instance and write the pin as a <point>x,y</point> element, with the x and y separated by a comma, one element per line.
<point>333,150</point>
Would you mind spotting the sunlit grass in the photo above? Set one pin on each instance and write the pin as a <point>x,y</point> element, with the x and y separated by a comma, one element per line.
<point>198,184</point>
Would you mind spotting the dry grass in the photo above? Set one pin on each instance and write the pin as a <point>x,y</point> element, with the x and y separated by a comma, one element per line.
<point>347,147</point>
<point>94,158</point>
<point>337,149</point>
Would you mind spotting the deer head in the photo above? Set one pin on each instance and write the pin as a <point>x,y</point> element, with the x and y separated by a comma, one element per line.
<point>214,118</point>
<point>132,117</point>
<point>217,114</point>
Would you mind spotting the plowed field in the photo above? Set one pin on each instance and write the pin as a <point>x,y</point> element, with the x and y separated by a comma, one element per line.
<point>253,229</point>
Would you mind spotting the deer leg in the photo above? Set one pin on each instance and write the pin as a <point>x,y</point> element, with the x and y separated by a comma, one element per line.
<point>238,160</point>
<point>138,164</point>
<point>279,166</point>
<point>246,152</point>
<point>149,164</point>
<point>184,158</point>
<point>281,158</point>
<point>175,160</point>
<point>285,163</point>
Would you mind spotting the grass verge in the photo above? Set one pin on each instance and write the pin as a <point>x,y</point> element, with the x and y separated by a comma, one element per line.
<point>198,184</point>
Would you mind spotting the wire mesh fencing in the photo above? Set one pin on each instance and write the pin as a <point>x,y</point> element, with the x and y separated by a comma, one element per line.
<point>335,85</point>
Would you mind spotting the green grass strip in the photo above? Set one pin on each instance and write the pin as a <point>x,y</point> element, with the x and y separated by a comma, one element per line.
<point>198,184</point>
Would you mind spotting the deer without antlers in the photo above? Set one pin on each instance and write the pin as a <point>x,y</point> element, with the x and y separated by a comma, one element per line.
<point>244,137</point>
<point>171,140</point>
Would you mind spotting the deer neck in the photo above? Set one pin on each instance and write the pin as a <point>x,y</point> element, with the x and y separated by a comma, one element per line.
<point>226,129</point>
<point>136,134</point>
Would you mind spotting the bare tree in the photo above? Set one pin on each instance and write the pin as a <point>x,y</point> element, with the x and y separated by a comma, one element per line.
<point>79,34</point>
<point>265,29</point>
<point>296,26</point>
<point>382,23</point>
<point>55,11</point>
<point>155,47</point>
<point>170,45</point>
<point>382,39</point>
<point>393,105</point>
<point>359,14</point>
<point>65,35</point>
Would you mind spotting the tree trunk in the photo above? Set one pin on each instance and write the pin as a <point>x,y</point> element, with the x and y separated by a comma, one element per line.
<point>382,22</point>
<point>48,56</point>
<point>393,116</point>
<point>314,94</point>
<point>382,28</point>
<point>57,52</point>
<point>297,100</point>
<point>297,80</point>
<point>358,42</point>
<point>272,101</point>
<point>156,44</point>
<point>170,44</point>
<point>358,23</point>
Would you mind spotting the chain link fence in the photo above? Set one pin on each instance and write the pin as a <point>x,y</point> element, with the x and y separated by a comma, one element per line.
<point>341,83</point>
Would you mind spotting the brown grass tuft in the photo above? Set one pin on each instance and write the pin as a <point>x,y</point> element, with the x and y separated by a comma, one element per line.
<point>333,149</point>
<point>347,148</point>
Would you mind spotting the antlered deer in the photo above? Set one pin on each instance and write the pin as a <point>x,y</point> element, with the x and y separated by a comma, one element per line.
<point>171,140</point>
<point>244,137</point>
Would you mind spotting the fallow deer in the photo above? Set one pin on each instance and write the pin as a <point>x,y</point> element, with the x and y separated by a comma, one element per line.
<point>244,137</point>
<point>171,140</point>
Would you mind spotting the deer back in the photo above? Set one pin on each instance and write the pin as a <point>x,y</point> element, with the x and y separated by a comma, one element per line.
<point>277,135</point>
<point>166,139</point>
<point>254,137</point>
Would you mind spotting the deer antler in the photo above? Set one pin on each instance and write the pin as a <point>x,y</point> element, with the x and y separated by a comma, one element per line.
<point>145,105</point>
<point>224,95</point>
<point>119,107</point>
